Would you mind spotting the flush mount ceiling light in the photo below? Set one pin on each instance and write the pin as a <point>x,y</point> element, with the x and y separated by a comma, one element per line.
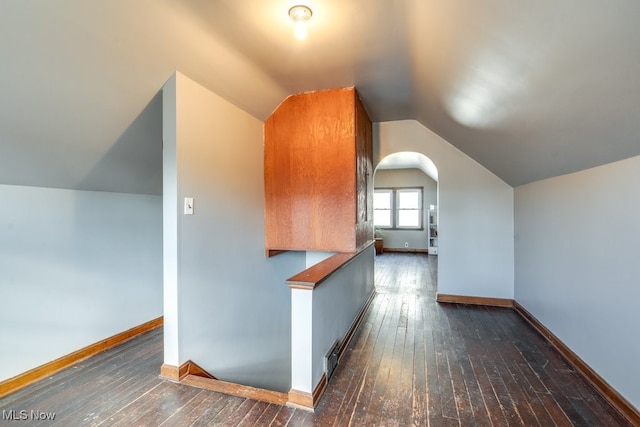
<point>300,15</point>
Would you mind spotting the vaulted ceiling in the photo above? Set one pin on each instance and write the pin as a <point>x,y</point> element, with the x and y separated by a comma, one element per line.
<point>528,89</point>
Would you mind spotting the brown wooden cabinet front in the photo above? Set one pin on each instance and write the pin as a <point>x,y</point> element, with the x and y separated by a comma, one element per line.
<point>317,173</point>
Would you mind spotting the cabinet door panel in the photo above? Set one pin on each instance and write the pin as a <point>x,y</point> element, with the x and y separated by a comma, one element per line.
<point>317,172</point>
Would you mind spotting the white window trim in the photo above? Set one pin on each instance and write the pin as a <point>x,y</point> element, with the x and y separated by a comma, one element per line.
<point>394,207</point>
<point>420,209</point>
<point>390,192</point>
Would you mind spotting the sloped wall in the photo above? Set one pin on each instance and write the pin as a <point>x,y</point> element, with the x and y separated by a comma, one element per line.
<point>576,265</point>
<point>475,236</point>
<point>76,267</point>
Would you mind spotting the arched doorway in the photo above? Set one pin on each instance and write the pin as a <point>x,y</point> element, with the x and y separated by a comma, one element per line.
<point>406,213</point>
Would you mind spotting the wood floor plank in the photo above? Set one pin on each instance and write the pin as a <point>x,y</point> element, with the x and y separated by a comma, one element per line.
<point>194,409</point>
<point>112,391</point>
<point>374,371</point>
<point>412,361</point>
<point>458,360</point>
<point>219,412</point>
<point>552,370</point>
<point>358,363</point>
<point>381,372</point>
<point>161,406</point>
<point>300,418</point>
<point>404,388</point>
<point>282,417</point>
<point>480,349</point>
<point>254,414</point>
<point>464,339</point>
<point>448,409</point>
<point>529,385</point>
<point>419,395</point>
<point>237,416</point>
<point>267,416</point>
<point>48,392</point>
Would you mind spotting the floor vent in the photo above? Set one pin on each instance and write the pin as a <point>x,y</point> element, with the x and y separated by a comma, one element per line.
<point>331,360</point>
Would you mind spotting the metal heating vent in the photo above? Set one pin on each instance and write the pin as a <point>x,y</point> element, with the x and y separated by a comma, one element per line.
<point>331,360</point>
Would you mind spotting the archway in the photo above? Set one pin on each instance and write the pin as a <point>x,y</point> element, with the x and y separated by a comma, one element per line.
<point>406,195</point>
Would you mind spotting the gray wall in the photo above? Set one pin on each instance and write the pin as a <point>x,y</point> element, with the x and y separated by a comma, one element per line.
<point>323,315</point>
<point>409,178</point>
<point>336,303</point>
<point>576,265</point>
<point>75,267</point>
<point>475,235</point>
<point>233,307</point>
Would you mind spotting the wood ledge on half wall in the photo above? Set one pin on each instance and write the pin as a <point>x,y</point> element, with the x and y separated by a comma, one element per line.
<point>313,276</point>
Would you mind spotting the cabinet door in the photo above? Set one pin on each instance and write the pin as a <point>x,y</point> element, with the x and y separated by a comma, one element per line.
<point>310,176</point>
<point>364,164</point>
<point>364,175</point>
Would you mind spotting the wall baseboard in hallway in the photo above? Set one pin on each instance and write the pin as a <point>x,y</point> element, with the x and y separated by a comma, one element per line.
<point>615,399</point>
<point>406,250</point>
<point>189,373</point>
<point>622,405</point>
<point>461,299</point>
<point>22,380</point>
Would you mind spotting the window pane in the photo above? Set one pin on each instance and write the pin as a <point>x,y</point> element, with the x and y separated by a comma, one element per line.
<point>382,200</point>
<point>408,218</point>
<point>408,199</point>
<point>382,218</point>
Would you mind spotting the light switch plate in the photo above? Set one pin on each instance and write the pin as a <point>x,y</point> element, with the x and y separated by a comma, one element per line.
<point>188,205</point>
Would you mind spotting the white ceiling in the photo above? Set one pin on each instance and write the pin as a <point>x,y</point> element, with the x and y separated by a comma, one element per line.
<point>528,89</point>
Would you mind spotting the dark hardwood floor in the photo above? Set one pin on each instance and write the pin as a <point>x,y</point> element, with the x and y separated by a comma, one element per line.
<point>411,362</point>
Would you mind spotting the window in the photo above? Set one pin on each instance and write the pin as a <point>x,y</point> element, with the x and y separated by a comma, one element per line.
<point>397,208</point>
<point>382,203</point>
<point>409,208</point>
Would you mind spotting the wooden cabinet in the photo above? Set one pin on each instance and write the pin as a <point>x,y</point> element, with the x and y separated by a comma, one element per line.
<point>318,173</point>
